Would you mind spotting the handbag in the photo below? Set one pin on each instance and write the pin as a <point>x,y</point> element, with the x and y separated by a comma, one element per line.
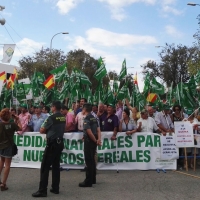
<point>14,146</point>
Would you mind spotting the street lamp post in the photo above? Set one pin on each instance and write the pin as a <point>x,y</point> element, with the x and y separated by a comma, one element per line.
<point>2,21</point>
<point>2,8</point>
<point>52,41</point>
<point>54,36</point>
<point>193,4</point>
<point>160,46</point>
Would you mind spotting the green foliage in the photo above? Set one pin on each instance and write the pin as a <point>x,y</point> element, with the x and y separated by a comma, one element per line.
<point>173,65</point>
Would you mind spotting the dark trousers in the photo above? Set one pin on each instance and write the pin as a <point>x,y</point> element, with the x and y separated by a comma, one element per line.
<point>89,153</point>
<point>51,157</point>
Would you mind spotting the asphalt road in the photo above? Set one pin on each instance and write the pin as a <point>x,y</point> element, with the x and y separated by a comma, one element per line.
<point>136,185</point>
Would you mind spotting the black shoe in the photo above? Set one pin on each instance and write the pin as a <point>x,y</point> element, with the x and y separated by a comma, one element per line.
<point>94,181</point>
<point>39,194</point>
<point>83,184</point>
<point>54,191</point>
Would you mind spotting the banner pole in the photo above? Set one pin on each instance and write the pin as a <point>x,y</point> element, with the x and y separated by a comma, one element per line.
<point>116,155</point>
<point>195,151</point>
<point>186,161</point>
<point>193,113</point>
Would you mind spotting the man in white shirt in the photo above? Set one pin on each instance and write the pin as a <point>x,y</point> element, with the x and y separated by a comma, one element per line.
<point>163,120</point>
<point>147,124</point>
<point>79,120</point>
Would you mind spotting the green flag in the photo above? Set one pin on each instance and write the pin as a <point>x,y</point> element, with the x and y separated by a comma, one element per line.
<point>123,93</point>
<point>123,72</point>
<point>84,79</point>
<point>8,98</point>
<point>27,88</point>
<point>87,94</point>
<point>36,83</point>
<point>115,86</point>
<point>59,73</point>
<point>3,92</point>
<point>109,97</point>
<point>146,84</point>
<point>98,95</point>
<point>40,78</point>
<point>140,101</point>
<point>197,77</point>
<point>157,87</point>
<point>101,71</point>
<point>64,91</point>
<point>192,85</point>
<point>48,96</point>
<point>19,91</point>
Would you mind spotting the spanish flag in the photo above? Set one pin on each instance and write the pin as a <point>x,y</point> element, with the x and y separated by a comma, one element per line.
<point>151,97</point>
<point>15,75</point>
<point>135,79</point>
<point>11,82</point>
<point>3,76</point>
<point>50,82</point>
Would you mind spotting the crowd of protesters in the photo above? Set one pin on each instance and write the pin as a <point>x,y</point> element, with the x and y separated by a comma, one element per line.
<point>111,118</point>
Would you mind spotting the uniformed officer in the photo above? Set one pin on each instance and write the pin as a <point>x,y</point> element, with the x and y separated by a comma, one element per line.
<point>54,128</point>
<point>92,137</point>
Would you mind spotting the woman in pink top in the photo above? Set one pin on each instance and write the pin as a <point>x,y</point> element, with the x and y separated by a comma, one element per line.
<point>24,118</point>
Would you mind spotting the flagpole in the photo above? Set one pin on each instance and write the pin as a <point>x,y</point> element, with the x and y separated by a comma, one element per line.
<point>99,102</point>
<point>179,95</point>
<point>170,97</point>
<point>11,99</point>
<point>16,99</point>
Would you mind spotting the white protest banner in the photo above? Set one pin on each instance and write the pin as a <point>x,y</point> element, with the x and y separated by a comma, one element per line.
<point>140,151</point>
<point>169,151</point>
<point>31,148</point>
<point>184,134</point>
<point>8,51</point>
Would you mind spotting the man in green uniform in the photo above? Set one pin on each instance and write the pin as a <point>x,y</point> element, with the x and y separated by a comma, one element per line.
<point>92,137</point>
<point>54,128</point>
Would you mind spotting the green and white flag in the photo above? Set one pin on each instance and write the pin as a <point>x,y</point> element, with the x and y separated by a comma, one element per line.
<point>59,73</point>
<point>157,87</point>
<point>27,88</point>
<point>83,78</point>
<point>101,71</point>
<point>64,91</point>
<point>146,84</point>
<point>40,78</point>
<point>19,91</point>
<point>123,72</point>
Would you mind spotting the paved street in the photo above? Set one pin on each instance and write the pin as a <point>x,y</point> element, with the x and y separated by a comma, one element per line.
<point>136,185</point>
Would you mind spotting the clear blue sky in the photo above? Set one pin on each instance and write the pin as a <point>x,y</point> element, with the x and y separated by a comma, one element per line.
<point>113,29</point>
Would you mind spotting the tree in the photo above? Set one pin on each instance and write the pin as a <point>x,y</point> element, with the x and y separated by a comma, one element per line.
<point>194,63</point>
<point>173,67</point>
<point>83,61</point>
<point>42,61</point>
<point>197,34</point>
